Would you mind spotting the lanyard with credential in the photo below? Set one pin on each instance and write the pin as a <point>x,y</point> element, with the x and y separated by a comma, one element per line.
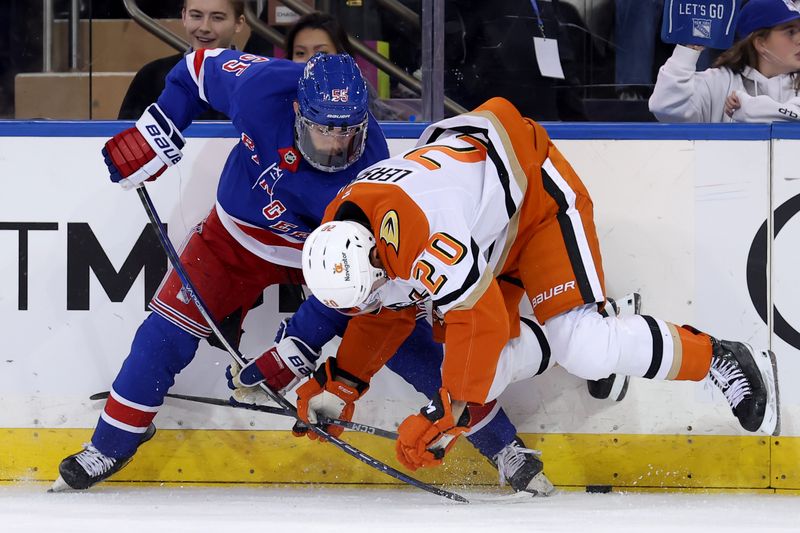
<point>546,50</point>
<point>538,17</point>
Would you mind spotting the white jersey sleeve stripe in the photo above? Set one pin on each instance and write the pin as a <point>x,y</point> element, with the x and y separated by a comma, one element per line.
<point>273,247</point>
<point>196,64</point>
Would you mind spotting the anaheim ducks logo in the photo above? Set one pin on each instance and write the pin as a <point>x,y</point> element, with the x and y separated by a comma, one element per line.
<point>390,230</point>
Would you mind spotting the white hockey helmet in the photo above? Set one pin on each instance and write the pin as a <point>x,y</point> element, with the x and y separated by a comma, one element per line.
<point>337,266</point>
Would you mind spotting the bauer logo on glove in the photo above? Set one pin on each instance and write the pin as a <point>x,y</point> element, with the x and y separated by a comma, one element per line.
<point>144,152</point>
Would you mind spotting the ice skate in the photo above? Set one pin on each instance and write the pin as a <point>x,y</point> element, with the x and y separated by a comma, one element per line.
<point>522,468</point>
<point>748,379</point>
<point>88,467</point>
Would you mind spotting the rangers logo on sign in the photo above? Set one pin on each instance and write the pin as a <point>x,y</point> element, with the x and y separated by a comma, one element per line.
<point>339,95</point>
<point>701,28</point>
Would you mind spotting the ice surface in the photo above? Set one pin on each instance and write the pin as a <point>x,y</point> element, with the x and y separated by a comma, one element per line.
<point>119,508</point>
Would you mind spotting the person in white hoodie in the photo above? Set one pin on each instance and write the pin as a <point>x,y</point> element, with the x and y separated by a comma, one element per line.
<point>756,80</point>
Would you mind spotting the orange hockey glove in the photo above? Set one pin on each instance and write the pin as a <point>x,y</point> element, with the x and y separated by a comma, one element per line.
<point>323,396</point>
<point>424,438</point>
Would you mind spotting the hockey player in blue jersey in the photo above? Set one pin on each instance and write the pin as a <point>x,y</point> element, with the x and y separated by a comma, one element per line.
<point>304,133</point>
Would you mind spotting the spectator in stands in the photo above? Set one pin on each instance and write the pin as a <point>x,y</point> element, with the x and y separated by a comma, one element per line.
<point>316,32</point>
<point>496,57</point>
<point>208,24</point>
<point>320,32</point>
<point>756,80</point>
<point>636,26</point>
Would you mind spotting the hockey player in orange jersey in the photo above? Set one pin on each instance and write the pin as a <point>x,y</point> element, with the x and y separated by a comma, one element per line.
<point>482,211</point>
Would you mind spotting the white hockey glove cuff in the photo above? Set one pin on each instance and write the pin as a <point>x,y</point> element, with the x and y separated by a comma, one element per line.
<point>165,140</point>
<point>242,394</point>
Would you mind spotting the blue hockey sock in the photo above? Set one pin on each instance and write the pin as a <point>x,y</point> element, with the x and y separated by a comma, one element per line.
<point>160,350</point>
<point>419,360</point>
<point>494,436</point>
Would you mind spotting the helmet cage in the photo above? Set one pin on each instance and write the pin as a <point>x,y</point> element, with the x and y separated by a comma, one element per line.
<point>329,148</point>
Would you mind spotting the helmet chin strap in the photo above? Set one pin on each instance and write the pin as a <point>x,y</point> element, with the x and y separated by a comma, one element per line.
<point>373,302</point>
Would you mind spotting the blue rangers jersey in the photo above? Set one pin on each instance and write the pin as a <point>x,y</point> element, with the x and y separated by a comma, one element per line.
<point>269,198</point>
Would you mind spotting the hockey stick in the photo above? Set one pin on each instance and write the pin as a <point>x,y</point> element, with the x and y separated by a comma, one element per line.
<point>353,426</point>
<point>175,261</point>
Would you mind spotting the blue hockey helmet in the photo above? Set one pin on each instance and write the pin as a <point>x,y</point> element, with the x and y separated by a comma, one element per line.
<point>331,123</point>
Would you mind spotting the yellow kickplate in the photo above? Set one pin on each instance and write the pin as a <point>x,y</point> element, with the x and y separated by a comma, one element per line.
<point>785,463</point>
<point>656,460</point>
<point>209,456</point>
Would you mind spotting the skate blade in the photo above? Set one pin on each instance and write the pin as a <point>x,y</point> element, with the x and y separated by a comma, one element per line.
<point>515,497</point>
<point>540,485</point>
<point>767,365</point>
<point>59,486</point>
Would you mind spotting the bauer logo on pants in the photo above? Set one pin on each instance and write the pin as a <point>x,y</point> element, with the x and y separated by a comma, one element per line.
<point>553,291</point>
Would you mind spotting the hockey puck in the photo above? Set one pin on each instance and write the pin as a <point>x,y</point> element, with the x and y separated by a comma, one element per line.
<point>601,489</point>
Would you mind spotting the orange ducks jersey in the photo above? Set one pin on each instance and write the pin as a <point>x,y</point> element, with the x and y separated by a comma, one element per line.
<point>483,207</point>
